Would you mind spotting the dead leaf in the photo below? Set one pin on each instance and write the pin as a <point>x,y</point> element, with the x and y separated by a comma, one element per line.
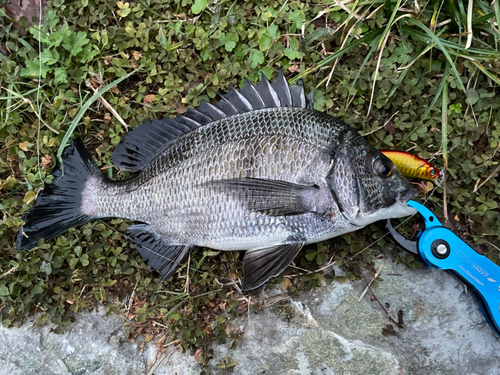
<point>24,146</point>
<point>115,90</point>
<point>389,330</point>
<point>149,98</point>
<point>148,337</point>
<point>137,55</point>
<point>161,340</point>
<point>285,284</point>
<point>198,356</point>
<point>389,127</point>
<point>46,160</point>
<point>294,68</point>
<point>107,118</point>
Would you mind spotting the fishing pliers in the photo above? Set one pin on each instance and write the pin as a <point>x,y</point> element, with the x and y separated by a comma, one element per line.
<point>439,247</point>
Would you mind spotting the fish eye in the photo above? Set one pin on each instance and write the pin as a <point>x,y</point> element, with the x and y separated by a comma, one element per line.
<point>433,172</point>
<point>383,168</point>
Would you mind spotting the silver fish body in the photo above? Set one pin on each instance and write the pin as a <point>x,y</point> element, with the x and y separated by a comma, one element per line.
<point>266,180</point>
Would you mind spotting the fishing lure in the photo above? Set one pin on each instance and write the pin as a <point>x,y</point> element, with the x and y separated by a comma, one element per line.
<point>412,165</point>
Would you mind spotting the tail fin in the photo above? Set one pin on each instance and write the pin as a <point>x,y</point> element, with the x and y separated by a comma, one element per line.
<point>58,207</point>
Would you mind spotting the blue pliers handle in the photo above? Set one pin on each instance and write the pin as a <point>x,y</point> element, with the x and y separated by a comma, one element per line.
<point>440,248</point>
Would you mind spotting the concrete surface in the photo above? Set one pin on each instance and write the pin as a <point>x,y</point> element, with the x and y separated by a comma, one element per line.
<point>325,331</point>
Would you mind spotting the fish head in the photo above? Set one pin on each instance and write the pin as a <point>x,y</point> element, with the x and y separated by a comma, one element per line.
<point>368,187</point>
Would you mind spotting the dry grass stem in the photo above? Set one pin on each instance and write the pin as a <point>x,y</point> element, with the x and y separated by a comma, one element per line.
<point>497,169</point>
<point>12,270</point>
<point>371,281</point>
<point>107,105</point>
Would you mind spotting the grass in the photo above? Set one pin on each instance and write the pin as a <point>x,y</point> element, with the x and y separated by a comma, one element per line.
<point>381,66</point>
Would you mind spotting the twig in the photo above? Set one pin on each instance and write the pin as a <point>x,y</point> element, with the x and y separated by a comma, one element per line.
<point>497,169</point>
<point>157,363</point>
<point>444,142</point>
<point>81,292</point>
<point>380,127</point>
<point>380,304</point>
<point>159,324</point>
<point>186,284</point>
<point>131,299</point>
<point>351,30</point>
<point>351,13</point>
<point>274,299</point>
<point>371,281</point>
<point>12,270</point>
<point>107,105</point>
<point>381,45</point>
<point>489,243</point>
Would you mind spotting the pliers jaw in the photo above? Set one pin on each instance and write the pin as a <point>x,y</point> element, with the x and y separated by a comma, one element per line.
<point>404,242</point>
<point>438,247</point>
<point>430,221</point>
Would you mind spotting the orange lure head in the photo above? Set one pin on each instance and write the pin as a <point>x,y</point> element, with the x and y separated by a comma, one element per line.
<point>411,165</point>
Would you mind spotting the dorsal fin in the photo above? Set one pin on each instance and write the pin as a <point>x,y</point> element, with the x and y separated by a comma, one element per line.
<point>146,141</point>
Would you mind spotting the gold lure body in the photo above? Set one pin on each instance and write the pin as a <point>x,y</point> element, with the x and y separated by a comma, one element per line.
<point>411,165</point>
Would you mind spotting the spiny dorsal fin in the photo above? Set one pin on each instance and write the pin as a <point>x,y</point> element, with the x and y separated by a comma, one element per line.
<point>146,141</point>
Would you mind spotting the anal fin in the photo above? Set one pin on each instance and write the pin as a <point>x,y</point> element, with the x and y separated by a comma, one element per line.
<point>259,265</point>
<point>156,252</point>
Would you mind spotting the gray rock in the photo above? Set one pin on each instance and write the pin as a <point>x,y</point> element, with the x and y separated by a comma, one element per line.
<point>325,331</point>
<point>93,344</point>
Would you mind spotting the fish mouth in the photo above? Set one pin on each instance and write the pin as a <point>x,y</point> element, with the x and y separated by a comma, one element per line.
<point>401,209</point>
<point>406,195</point>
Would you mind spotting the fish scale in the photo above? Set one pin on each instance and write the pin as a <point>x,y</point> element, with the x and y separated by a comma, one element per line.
<point>259,171</point>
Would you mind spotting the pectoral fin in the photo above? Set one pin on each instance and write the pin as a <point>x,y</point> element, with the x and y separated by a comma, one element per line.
<point>270,197</point>
<point>260,265</point>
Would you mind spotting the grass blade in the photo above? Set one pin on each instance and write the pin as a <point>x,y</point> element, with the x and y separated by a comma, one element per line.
<point>440,90</point>
<point>389,24</point>
<point>366,39</point>
<point>82,110</point>
<point>373,48</point>
<point>443,49</point>
<point>434,101</point>
<point>481,53</point>
<point>493,77</point>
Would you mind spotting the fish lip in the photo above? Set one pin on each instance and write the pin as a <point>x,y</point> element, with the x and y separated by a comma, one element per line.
<point>406,195</point>
<point>403,208</point>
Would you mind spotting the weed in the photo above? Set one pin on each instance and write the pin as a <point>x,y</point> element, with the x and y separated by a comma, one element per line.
<point>381,66</point>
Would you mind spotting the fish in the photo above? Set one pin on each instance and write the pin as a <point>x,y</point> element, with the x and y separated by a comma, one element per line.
<point>260,170</point>
<point>411,165</point>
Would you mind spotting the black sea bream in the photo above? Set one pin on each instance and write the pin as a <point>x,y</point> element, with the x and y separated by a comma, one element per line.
<point>260,171</point>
